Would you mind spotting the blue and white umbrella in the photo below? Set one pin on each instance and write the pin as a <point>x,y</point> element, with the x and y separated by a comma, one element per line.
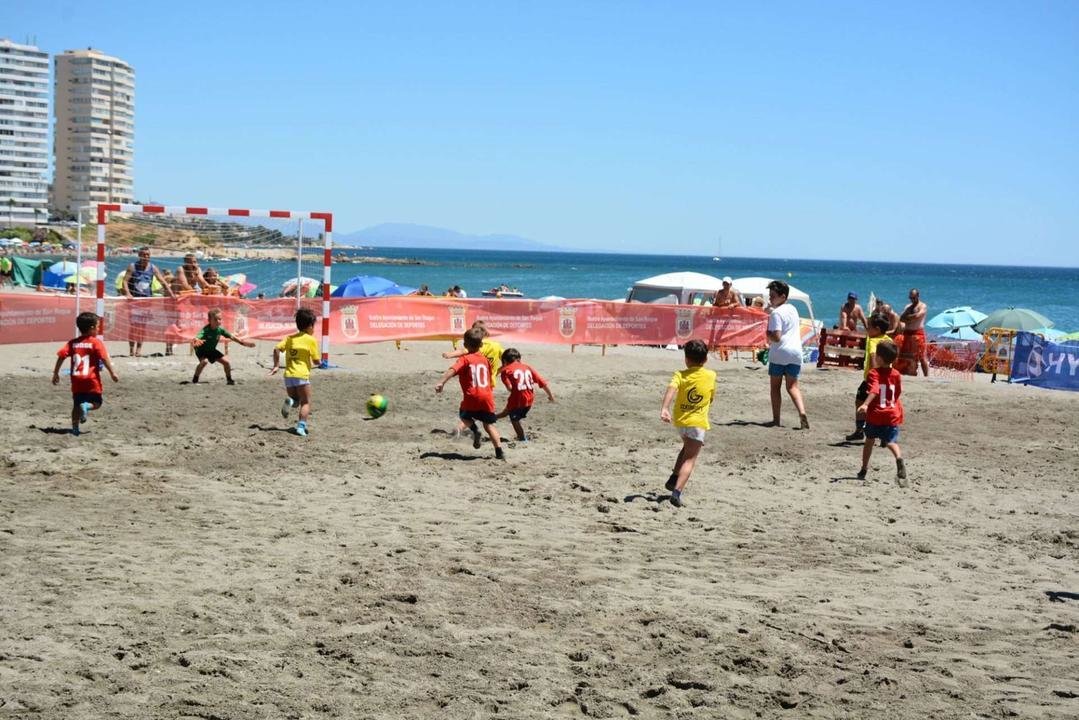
<point>956,317</point>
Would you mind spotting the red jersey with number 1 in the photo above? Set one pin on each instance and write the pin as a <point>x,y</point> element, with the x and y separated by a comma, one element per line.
<point>86,354</point>
<point>477,389</point>
<point>886,408</point>
<point>521,380</point>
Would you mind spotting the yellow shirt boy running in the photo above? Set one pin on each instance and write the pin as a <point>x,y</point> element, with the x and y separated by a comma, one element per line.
<point>301,354</point>
<point>691,391</point>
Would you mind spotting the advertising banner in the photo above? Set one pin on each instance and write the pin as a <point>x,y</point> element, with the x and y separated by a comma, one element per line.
<point>46,317</point>
<point>1043,363</point>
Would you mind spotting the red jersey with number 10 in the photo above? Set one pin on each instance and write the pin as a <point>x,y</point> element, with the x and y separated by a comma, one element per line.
<point>86,354</point>
<point>477,389</point>
<point>886,409</point>
<point>521,380</point>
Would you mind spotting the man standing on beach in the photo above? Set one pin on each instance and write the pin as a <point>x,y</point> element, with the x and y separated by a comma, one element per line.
<point>139,283</point>
<point>912,337</point>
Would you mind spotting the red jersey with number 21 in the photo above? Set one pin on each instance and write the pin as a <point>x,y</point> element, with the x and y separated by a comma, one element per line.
<point>886,409</point>
<point>474,372</point>
<point>86,354</point>
<point>521,380</point>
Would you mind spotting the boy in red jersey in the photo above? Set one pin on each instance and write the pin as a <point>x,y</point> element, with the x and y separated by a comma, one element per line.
<point>87,354</point>
<point>520,379</point>
<point>882,409</point>
<point>478,397</point>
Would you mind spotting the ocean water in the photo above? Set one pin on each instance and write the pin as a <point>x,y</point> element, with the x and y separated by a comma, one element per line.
<point>1054,292</point>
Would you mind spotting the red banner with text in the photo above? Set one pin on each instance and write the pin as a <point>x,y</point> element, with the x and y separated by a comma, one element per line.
<point>27,317</point>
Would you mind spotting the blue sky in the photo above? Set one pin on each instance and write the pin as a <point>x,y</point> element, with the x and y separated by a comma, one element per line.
<point>904,131</point>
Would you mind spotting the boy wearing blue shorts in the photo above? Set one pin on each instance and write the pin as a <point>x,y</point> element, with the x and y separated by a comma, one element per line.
<point>883,410</point>
<point>87,355</point>
<point>301,354</point>
<point>691,392</point>
<point>784,352</point>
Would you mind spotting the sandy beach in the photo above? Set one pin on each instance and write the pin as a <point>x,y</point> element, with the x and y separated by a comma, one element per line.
<point>189,557</point>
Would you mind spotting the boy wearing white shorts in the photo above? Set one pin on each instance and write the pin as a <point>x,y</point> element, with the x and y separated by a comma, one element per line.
<point>301,354</point>
<point>691,391</point>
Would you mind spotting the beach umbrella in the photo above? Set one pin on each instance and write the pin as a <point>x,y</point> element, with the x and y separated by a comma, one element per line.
<point>288,288</point>
<point>962,316</point>
<point>370,286</point>
<point>1013,318</point>
<point>964,333</point>
<point>1049,333</point>
<point>64,267</point>
<point>1070,337</point>
<point>239,281</point>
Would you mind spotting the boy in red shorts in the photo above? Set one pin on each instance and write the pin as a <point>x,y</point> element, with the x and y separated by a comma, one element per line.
<point>882,409</point>
<point>87,354</point>
<point>478,397</point>
<point>520,380</point>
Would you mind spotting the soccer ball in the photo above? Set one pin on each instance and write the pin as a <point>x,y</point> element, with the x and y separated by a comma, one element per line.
<point>377,406</point>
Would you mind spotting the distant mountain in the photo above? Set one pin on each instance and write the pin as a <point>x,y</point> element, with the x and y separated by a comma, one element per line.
<point>425,236</point>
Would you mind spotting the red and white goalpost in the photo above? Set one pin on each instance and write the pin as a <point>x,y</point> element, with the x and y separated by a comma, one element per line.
<point>103,210</point>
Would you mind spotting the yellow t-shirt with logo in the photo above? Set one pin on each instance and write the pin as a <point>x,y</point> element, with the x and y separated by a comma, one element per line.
<point>871,349</point>
<point>301,352</point>
<point>696,388</point>
<point>492,350</point>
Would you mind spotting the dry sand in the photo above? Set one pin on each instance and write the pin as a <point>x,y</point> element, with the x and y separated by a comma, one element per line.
<point>187,557</point>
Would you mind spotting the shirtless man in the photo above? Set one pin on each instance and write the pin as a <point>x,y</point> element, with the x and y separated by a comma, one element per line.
<point>885,310</point>
<point>188,275</point>
<point>727,296</point>
<point>912,348</point>
<point>851,313</point>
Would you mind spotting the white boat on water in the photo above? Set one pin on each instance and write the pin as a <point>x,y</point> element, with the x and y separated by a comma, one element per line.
<point>503,291</point>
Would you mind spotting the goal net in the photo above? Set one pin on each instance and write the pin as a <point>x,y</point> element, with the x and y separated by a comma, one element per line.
<point>256,266</point>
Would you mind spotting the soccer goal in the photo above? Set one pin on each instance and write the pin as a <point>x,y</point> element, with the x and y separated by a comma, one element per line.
<point>246,250</point>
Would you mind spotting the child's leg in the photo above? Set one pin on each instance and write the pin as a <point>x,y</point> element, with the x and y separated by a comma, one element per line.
<point>226,366</point>
<point>303,399</point>
<point>774,384</point>
<point>198,369</point>
<point>518,428</point>
<point>796,394</point>
<point>76,415</point>
<point>894,448</point>
<point>492,432</point>
<point>867,452</point>
<point>691,449</point>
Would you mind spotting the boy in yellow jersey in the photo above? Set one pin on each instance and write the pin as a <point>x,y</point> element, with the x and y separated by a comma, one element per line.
<point>691,391</point>
<point>301,354</point>
<point>491,349</point>
<point>878,325</point>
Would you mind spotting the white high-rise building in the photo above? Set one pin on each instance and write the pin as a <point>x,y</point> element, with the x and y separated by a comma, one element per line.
<point>95,130</point>
<point>24,134</point>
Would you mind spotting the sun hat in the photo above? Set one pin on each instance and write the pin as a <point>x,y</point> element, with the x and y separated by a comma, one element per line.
<point>727,279</point>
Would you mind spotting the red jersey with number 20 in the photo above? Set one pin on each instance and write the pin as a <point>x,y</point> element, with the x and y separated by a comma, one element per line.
<point>474,372</point>
<point>521,380</point>
<point>886,409</point>
<point>86,354</point>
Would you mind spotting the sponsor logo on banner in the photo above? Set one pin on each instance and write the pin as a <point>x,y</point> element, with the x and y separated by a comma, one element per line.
<point>457,319</point>
<point>683,322</point>
<point>350,324</point>
<point>567,321</point>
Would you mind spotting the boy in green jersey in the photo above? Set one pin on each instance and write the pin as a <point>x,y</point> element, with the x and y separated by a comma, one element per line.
<point>205,344</point>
